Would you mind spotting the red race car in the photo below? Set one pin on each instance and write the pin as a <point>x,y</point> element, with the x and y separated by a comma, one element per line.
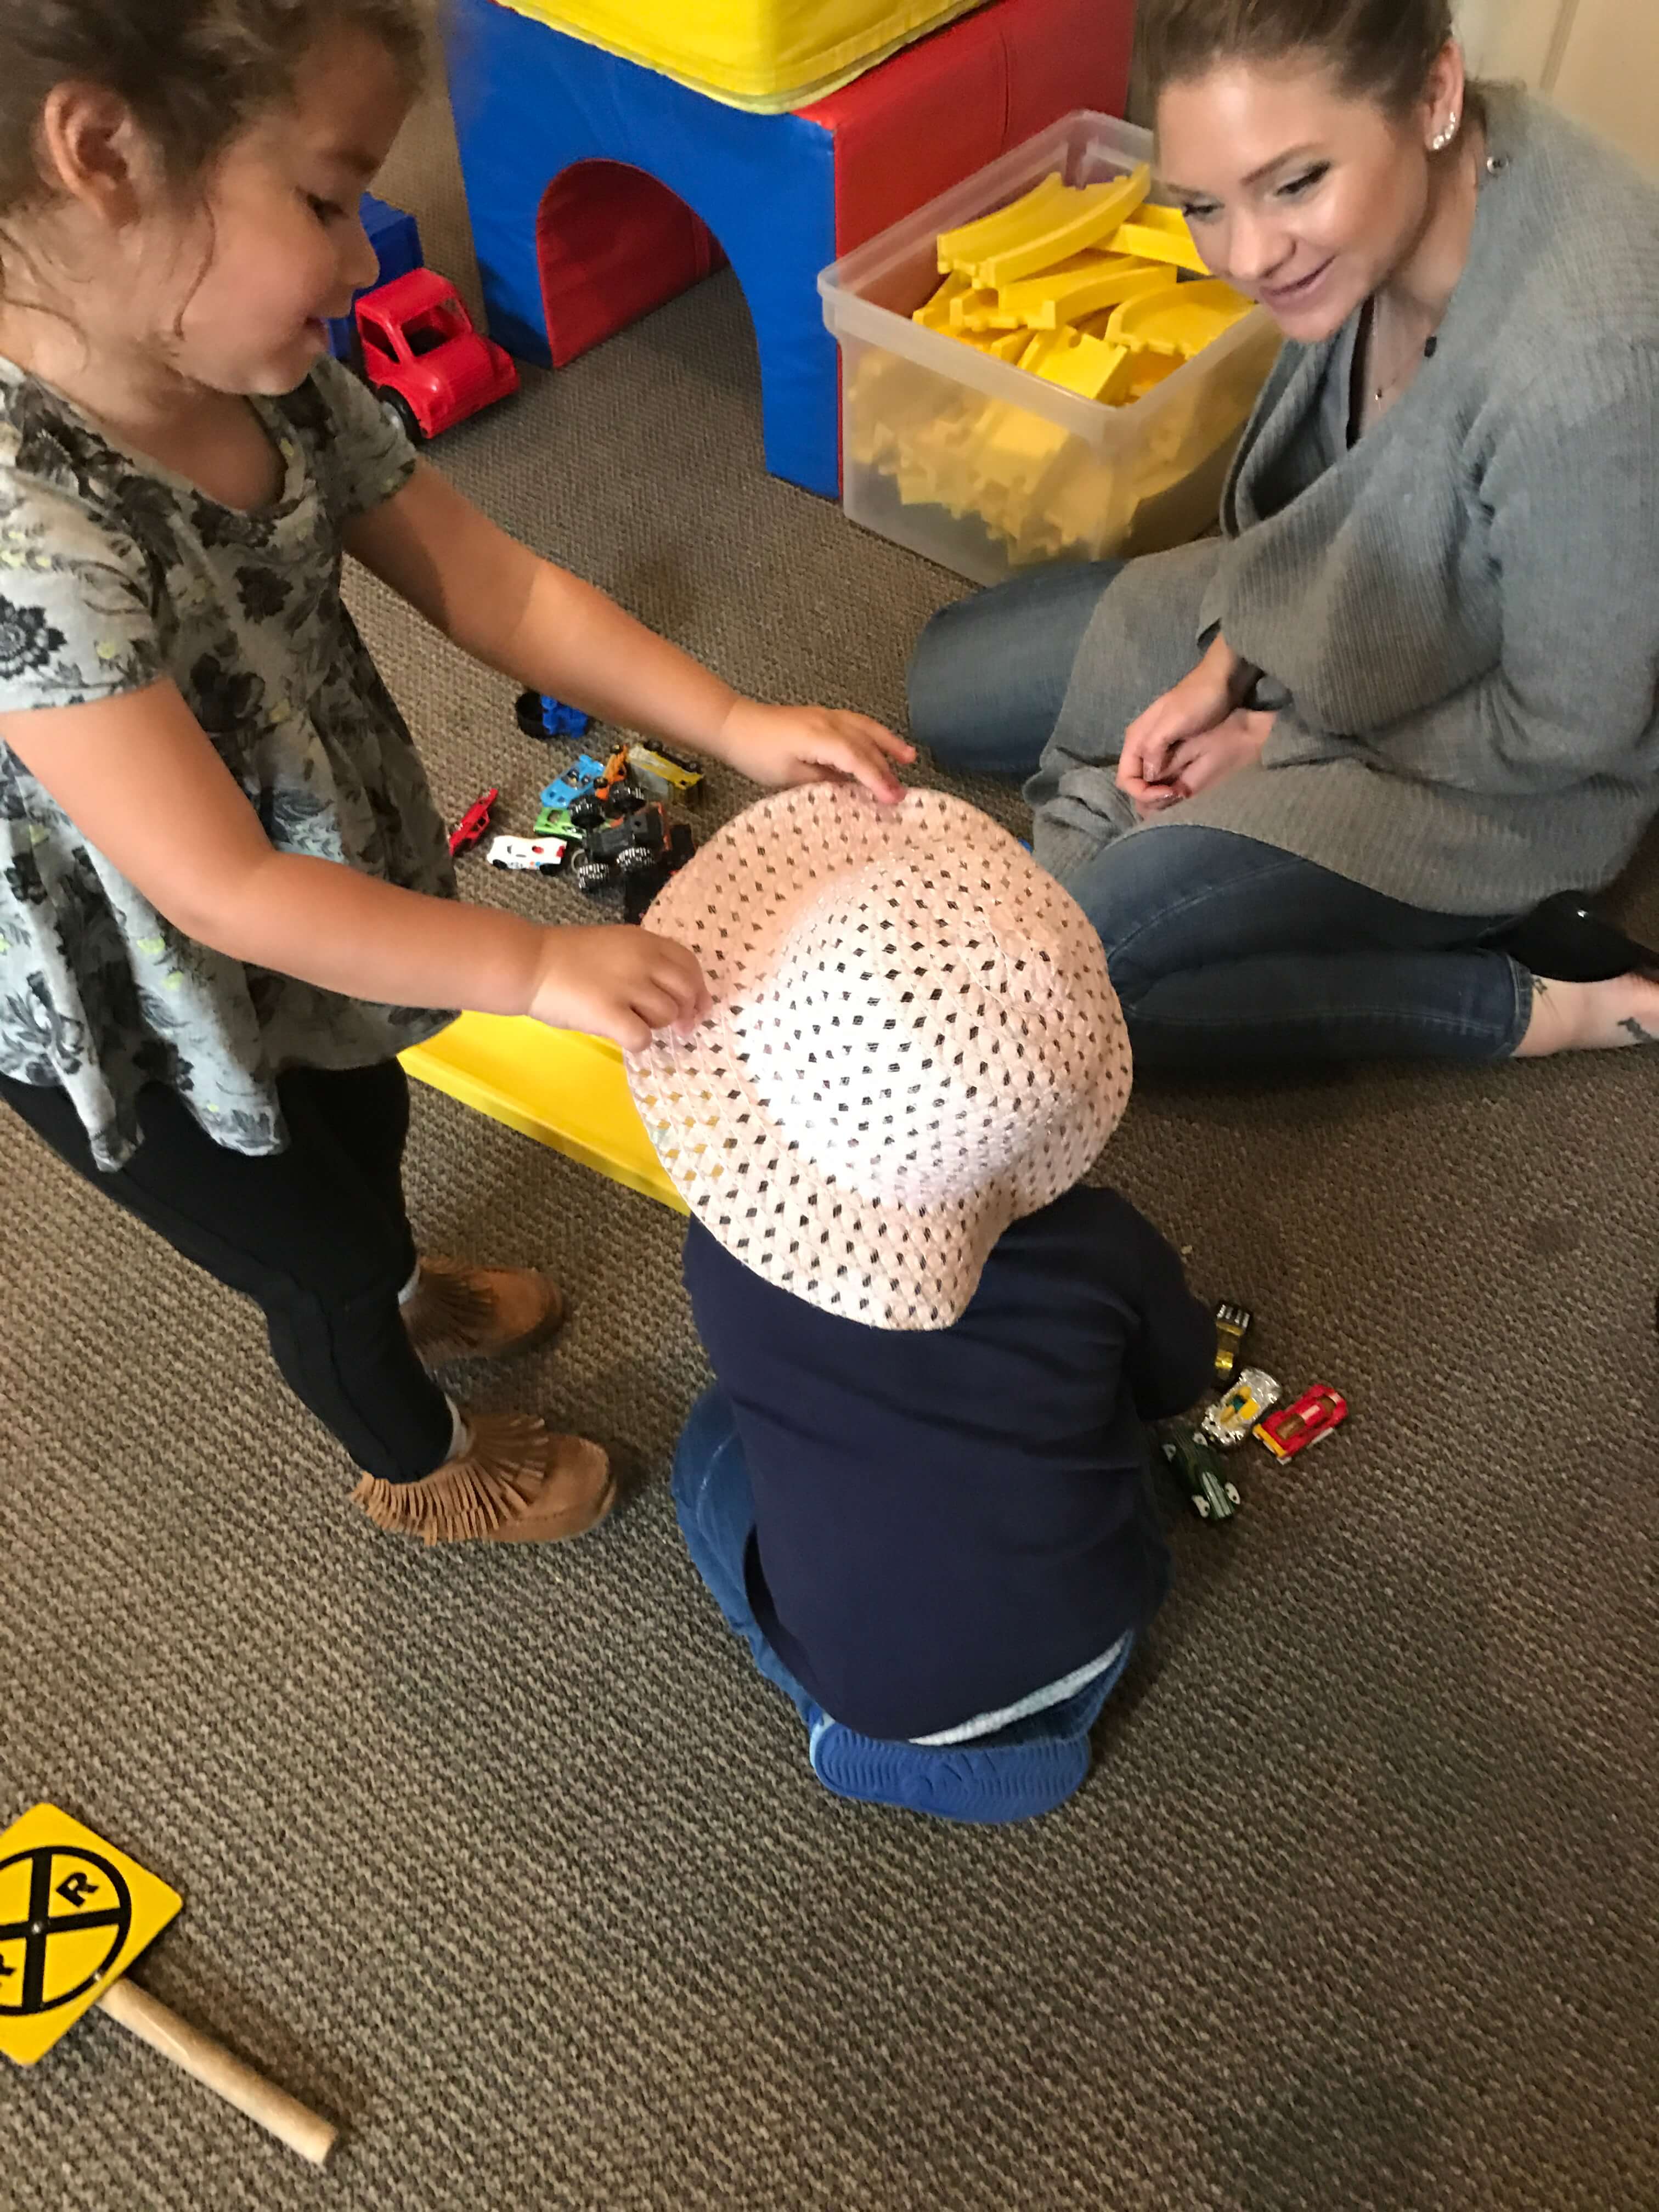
<point>1293,1428</point>
<point>422,358</point>
<point>472,824</point>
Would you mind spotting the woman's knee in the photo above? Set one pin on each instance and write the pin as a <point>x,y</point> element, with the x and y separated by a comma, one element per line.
<point>989,673</point>
<point>1163,901</point>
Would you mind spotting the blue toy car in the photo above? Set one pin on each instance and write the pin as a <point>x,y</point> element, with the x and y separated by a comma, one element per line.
<point>584,774</point>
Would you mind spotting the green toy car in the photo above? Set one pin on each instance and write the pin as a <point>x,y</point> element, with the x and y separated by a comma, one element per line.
<point>1198,1463</point>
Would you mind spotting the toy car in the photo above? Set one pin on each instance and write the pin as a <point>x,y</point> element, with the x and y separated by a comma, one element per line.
<point>422,358</point>
<point>539,715</point>
<point>546,855</point>
<point>581,775</point>
<point>472,824</point>
<point>641,842</point>
<point>1310,1421</point>
<point>1229,1420</point>
<point>1232,1323</point>
<point>1194,1460</point>
<point>612,795</point>
<point>664,774</point>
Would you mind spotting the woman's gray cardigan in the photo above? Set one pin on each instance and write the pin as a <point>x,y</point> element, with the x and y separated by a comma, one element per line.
<point>1461,613</point>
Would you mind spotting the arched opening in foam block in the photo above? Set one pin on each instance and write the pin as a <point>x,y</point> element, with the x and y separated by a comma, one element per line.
<point>612,242</point>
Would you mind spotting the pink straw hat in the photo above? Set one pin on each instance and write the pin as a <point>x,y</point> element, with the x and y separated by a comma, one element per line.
<point>914,1042</point>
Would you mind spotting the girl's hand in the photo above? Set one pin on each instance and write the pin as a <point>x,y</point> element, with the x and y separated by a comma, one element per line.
<point>1201,761</point>
<point>779,745</point>
<point>618,982</point>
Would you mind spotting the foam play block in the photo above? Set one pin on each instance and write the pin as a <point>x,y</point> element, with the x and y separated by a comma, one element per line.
<point>554,133</point>
<point>567,1091</point>
<point>768,54</point>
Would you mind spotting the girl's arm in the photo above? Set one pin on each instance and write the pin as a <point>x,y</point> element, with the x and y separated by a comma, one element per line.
<point>546,629</point>
<point>139,778</point>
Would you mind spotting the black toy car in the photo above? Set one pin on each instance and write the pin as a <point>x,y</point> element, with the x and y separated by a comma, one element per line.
<point>643,842</point>
<point>1198,1463</point>
<point>593,810</point>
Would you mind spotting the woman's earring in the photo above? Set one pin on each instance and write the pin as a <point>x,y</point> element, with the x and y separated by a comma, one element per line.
<point>1442,139</point>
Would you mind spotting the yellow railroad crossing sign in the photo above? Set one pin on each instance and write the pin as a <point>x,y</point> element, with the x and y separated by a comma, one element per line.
<point>75,1913</point>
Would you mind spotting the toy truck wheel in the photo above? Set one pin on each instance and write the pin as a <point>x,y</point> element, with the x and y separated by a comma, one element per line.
<point>586,811</point>
<point>397,404</point>
<point>1201,1507</point>
<point>622,799</point>
<point>636,859</point>
<point>591,875</point>
<point>527,714</point>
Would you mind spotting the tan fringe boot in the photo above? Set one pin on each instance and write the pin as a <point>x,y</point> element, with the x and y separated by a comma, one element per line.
<point>516,1483</point>
<point>459,1311</point>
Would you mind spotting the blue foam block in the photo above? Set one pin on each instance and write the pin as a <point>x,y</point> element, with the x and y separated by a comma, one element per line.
<point>530,102</point>
<point>396,238</point>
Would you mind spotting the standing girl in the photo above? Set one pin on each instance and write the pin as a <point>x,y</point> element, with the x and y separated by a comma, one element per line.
<point>226,901</point>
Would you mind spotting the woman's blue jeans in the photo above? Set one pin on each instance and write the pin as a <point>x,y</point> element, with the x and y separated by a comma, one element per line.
<point>1225,952</point>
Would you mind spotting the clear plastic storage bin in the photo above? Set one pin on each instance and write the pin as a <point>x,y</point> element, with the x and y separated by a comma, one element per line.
<point>1036,473</point>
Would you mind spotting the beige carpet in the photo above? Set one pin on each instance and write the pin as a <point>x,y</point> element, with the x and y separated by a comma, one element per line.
<point>510,1865</point>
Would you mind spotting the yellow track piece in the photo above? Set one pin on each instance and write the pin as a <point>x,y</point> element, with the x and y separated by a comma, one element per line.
<point>1160,233</point>
<point>934,314</point>
<point>960,248</point>
<point>1094,212</point>
<point>1081,285</point>
<point>1090,366</point>
<point>1179,321</point>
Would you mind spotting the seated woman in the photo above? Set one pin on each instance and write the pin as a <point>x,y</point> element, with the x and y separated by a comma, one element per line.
<point>1304,778</point>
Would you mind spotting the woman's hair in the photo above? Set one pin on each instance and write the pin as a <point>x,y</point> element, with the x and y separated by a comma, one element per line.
<point>1379,49</point>
<point>193,72</point>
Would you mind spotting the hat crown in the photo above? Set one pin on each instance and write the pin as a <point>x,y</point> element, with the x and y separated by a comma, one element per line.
<point>904,1042</point>
<point>912,1042</point>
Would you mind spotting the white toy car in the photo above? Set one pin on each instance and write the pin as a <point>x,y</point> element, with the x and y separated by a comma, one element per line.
<point>542,855</point>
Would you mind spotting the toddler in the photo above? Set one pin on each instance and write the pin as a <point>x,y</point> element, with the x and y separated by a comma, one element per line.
<point>919,1485</point>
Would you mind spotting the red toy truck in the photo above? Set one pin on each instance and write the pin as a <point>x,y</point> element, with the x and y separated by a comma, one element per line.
<point>423,356</point>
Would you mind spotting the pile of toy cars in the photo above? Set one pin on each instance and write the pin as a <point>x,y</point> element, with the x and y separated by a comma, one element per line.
<point>1245,1409</point>
<point>604,821</point>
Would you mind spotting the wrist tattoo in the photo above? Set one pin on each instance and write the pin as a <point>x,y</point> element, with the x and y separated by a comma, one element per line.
<point>1631,1027</point>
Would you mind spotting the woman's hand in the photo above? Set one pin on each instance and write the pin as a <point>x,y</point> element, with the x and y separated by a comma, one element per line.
<point>618,982</point>
<point>1199,702</point>
<point>1198,762</point>
<point>779,745</point>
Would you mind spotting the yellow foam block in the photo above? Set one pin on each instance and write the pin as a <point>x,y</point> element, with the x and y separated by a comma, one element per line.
<point>1085,218</point>
<point>566,1091</point>
<point>1160,233</point>
<point>765,55</point>
<point>1180,321</point>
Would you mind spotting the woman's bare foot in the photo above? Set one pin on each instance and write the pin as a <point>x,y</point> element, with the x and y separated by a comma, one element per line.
<point>1590,1017</point>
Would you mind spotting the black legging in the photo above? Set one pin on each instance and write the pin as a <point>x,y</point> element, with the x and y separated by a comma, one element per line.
<point>317,1236</point>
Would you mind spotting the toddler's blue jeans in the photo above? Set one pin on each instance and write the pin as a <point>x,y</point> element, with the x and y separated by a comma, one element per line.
<point>1025,1769</point>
